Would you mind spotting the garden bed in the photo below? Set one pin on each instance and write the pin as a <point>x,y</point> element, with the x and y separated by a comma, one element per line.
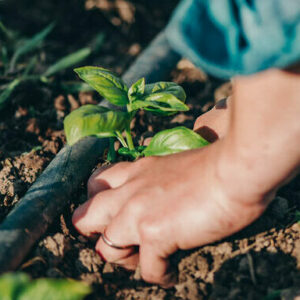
<point>264,258</point>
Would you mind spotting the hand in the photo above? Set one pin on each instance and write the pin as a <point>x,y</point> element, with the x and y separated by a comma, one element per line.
<point>161,204</point>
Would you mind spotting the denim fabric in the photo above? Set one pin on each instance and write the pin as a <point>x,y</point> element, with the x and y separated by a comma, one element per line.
<point>231,37</point>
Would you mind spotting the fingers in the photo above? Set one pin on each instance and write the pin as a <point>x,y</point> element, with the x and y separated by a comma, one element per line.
<point>153,248</point>
<point>214,124</point>
<point>96,213</point>
<point>122,231</point>
<point>156,268</point>
<point>127,258</point>
<point>108,177</point>
<point>105,199</point>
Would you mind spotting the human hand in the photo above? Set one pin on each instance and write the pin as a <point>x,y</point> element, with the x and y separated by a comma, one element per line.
<point>160,204</point>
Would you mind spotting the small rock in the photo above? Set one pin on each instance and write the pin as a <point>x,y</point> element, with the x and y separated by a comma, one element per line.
<point>188,290</point>
<point>73,102</point>
<point>55,248</point>
<point>108,268</point>
<point>134,49</point>
<point>60,103</point>
<point>89,260</point>
<point>33,126</point>
<point>91,278</point>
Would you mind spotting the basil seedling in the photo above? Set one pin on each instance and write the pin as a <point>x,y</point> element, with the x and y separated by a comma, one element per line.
<point>162,98</point>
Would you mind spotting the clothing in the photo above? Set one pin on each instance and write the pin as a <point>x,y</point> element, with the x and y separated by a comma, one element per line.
<point>231,37</point>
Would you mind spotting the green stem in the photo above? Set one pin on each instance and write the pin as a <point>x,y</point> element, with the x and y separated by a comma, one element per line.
<point>111,155</point>
<point>129,138</point>
<point>121,139</point>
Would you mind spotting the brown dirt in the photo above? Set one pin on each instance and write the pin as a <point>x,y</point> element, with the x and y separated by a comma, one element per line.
<point>263,258</point>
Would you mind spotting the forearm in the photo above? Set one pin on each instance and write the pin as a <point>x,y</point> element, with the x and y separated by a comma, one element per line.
<point>262,148</point>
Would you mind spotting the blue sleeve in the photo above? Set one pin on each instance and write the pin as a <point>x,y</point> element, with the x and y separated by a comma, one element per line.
<point>237,37</point>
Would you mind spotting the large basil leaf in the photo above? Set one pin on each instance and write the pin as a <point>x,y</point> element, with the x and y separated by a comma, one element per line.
<point>18,286</point>
<point>106,83</point>
<point>174,140</point>
<point>94,120</point>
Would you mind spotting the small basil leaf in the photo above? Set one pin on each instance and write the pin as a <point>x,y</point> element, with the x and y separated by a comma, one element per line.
<point>174,140</point>
<point>132,154</point>
<point>137,89</point>
<point>160,102</point>
<point>167,87</point>
<point>94,120</point>
<point>106,83</point>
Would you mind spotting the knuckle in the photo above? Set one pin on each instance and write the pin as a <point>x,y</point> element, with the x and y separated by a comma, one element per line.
<point>123,165</point>
<point>91,183</point>
<point>150,277</point>
<point>149,230</point>
<point>199,122</point>
<point>145,162</point>
<point>134,207</point>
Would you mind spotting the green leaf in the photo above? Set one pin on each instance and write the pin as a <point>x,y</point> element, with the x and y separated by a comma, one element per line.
<point>73,87</point>
<point>160,103</point>
<point>4,56</point>
<point>137,90</point>
<point>94,120</point>
<point>18,286</point>
<point>97,42</point>
<point>11,285</point>
<point>30,66</point>
<point>54,289</point>
<point>167,87</point>
<point>4,96</point>
<point>30,45</point>
<point>68,61</point>
<point>8,34</point>
<point>174,140</point>
<point>106,83</point>
<point>163,98</point>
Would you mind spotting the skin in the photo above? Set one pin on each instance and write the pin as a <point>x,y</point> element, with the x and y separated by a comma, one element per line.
<point>185,200</point>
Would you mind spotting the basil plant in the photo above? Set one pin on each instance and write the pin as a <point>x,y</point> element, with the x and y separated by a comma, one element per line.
<point>162,98</point>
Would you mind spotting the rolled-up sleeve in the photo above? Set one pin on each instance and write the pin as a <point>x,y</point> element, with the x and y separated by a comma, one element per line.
<point>236,37</point>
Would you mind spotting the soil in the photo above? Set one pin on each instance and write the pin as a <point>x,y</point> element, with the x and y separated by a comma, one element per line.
<point>259,261</point>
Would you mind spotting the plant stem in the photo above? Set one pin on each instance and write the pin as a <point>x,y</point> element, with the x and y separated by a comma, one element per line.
<point>111,155</point>
<point>129,138</point>
<point>121,139</point>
